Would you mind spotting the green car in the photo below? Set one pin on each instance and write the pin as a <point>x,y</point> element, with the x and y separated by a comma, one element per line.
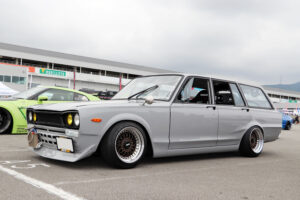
<point>13,110</point>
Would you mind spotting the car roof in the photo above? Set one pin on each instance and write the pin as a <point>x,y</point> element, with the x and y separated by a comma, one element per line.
<point>218,77</point>
<point>65,89</point>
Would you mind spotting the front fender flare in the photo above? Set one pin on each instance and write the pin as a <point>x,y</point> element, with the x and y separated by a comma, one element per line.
<point>126,117</point>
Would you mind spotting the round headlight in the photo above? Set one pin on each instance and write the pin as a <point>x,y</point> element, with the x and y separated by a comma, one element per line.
<point>34,117</point>
<point>69,119</point>
<point>30,116</point>
<point>76,120</point>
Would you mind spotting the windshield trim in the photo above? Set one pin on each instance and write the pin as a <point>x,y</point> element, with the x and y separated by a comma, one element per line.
<point>174,91</point>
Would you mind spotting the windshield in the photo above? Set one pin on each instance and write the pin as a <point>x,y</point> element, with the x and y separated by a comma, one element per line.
<point>166,86</point>
<point>28,93</point>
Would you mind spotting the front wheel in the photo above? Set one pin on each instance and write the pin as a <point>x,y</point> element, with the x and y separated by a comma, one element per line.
<point>5,121</point>
<point>253,142</point>
<point>124,145</point>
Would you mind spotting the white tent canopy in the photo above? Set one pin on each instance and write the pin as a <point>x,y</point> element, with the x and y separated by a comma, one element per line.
<point>6,91</point>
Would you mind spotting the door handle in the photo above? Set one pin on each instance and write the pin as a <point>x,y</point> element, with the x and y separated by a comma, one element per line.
<point>213,107</point>
<point>247,109</point>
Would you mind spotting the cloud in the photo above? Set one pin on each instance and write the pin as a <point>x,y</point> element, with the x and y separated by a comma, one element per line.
<point>250,39</point>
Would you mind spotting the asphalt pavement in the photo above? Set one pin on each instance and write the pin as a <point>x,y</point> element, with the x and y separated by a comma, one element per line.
<point>273,175</point>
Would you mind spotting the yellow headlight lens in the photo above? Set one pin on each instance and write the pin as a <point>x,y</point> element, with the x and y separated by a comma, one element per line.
<point>34,117</point>
<point>70,119</point>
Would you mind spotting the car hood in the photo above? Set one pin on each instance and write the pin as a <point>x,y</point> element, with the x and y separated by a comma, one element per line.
<point>79,105</point>
<point>8,99</point>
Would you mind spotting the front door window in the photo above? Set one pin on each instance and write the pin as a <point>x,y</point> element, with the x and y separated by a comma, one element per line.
<point>196,90</point>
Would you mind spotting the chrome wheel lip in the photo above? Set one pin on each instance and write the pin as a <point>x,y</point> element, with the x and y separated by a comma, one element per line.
<point>139,148</point>
<point>259,143</point>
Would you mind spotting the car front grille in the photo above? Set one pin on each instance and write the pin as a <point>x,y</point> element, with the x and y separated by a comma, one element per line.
<point>49,118</point>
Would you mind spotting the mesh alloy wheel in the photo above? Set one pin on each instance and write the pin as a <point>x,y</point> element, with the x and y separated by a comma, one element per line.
<point>256,140</point>
<point>129,144</point>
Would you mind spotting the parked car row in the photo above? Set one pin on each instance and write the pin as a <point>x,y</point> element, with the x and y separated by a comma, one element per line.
<point>287,121</point>
<point>13,110</point>
<point>105,95</point>
<point>162,115</point>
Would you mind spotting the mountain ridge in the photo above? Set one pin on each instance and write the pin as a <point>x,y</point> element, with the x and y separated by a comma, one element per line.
<point>292,87</point>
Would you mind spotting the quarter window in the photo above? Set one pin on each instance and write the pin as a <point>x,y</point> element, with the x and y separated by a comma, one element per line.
<point>196,90</point>
<point>255,97</point>
<point>79,97</point>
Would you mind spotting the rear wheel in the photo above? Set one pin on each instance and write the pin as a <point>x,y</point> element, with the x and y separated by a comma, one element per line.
<point>5,121</point>
<point>253,142</point>
<point>124,145</point>
<point>288,126</point>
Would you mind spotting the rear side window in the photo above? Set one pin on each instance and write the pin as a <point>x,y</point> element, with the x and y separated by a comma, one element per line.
<point>80,97</point>
<point>223,94</point>
<point>255,97</point>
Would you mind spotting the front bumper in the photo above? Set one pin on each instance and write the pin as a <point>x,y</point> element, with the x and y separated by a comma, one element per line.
<point>63,156</point>
<point>84,145</point>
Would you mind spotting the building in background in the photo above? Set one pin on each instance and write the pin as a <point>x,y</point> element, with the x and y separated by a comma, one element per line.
<point>13,76</point>
<point>42,67</point>
<point>24,67</point>
<point>282,96</point>
<point>284,100</point>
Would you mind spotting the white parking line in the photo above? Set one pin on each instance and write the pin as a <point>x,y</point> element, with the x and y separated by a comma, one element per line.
<point>15,150</point>
<point>51,189</point>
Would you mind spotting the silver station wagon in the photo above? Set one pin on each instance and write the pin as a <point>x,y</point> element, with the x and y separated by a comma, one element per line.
<point>162,115</point>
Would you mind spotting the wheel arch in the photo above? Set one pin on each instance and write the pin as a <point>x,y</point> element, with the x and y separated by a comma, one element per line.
<point>252,126</point>
<point>135,119</point>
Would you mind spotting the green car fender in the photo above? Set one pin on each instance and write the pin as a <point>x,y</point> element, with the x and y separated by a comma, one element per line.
<point>18,114</point>
<point>17,110</point>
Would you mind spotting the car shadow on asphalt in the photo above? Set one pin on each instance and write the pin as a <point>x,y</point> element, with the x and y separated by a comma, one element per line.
<point>191,158</point>
<point>96,162</point>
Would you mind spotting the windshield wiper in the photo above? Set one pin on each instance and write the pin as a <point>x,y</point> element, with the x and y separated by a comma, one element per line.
<point>143,91</point>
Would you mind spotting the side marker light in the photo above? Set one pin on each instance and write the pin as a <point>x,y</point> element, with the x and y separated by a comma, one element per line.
<point>97,120</point>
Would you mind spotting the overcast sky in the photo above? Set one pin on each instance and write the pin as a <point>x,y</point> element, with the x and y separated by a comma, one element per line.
<point>258,40</point>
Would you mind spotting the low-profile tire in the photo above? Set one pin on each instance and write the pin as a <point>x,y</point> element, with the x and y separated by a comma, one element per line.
<point>124,145</point>
<point>288,126</point>
<point>5,121</point>
<point>252,143</point>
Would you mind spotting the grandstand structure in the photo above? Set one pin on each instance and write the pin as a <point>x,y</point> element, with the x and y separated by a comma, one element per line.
<point>25,67</point>
<point>22,67</point>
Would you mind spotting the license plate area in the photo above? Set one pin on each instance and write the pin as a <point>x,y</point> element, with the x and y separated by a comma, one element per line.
<point>65,144</point>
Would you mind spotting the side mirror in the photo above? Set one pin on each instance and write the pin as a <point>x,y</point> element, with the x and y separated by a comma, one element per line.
<point>149,99</point>
<point>42,98</point>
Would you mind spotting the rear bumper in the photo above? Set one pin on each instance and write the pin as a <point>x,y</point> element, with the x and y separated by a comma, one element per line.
<point>271,134</point>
